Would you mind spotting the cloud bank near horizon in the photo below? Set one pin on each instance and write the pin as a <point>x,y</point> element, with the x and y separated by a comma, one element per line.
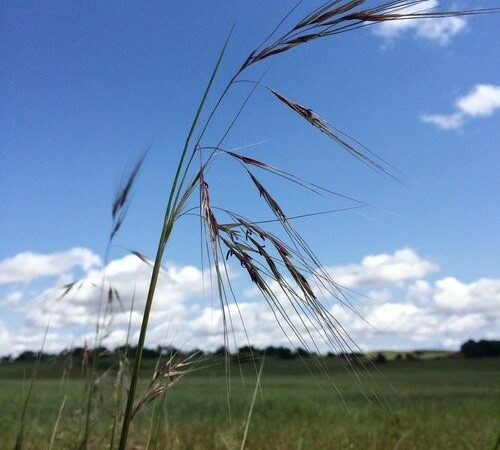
<point>401,302</point>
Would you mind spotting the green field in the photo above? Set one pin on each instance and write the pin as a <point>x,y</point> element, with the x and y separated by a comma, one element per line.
<point>450,403</point>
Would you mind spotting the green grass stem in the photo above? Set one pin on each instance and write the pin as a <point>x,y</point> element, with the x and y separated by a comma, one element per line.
<point>167,227</point>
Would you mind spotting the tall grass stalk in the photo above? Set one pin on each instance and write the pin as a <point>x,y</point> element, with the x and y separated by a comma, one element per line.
<point>56,425</point>
<point>151,425</point>
<point>119,210</point>
<point>170,216</point>
<point>252,404</point>
<point>496,445</point>
<point>161,423</point>
<point>22,420</point>
<point>284,269</point>
<point>122,370</point>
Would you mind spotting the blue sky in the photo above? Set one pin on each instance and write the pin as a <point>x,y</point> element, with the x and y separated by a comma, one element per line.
<point>85,88</point>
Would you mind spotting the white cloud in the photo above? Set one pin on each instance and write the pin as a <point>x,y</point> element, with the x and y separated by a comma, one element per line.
<point>380,296</point>
<point>450,122</point>
<point>27,266</point>
<point>12,299</point>
<point>439,30</point>
<point>404,264</point>
<point>442,314</point>
<point>452,343</point>
<point>73,317</point>
<point>402,318</point>
<point>420,291</point>
<point>5,344</point>
<point>482,101</point>
<point>463,324</point>
<point>130,277</point>
<point>482,295</point>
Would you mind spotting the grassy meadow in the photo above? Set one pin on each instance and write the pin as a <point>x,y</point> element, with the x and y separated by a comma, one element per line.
<point>447,403</point>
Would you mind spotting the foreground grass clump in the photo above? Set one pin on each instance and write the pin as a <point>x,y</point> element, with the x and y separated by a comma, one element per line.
<point>450,403</point>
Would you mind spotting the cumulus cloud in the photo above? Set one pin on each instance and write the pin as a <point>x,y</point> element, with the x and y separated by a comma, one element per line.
<point>12,299</point>
<point>402,265</point>
<point>440,314</point>
<point>380,296</point>
<point>445,122</point>
<point>440,30</point>
<point>129,277</point>
<point>27,266</point>
<point>72,317</point>
<point>5,344</point>
<point>482,101</point>
<point>420,291</point>
<point>462,324</point>
<point>479,296</point>
<point>422,324</point>
<point>398,318</point>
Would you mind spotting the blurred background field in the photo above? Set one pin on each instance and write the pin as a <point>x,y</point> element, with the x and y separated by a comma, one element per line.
<point>448,402</point>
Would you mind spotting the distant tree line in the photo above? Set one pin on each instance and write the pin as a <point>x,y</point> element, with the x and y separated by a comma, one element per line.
<point>479,349</point>
<point>148,353</point>
<point>470,349</point>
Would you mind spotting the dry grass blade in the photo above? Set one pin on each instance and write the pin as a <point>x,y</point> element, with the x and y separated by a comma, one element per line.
<point>70,288</point>
<point>290,270</point>
<point>308,185</point>
<point>119,207</point>
<point>273,204</point>
<point>67,288</point>
<point>22,420</point>
<point>339,16</point>
<point>308,114</point>
<point>142,257</point>
<point>299,312</point>
<point>252,404</point>
<point>332,12</point>
<point>170,215</point>
<point>209,216</point>
<point>56,425</point>
<point>496,445</point>
<point>402,439</point>
<point>164,377</point>
<point>297,309</point>
<point>215,243</point>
